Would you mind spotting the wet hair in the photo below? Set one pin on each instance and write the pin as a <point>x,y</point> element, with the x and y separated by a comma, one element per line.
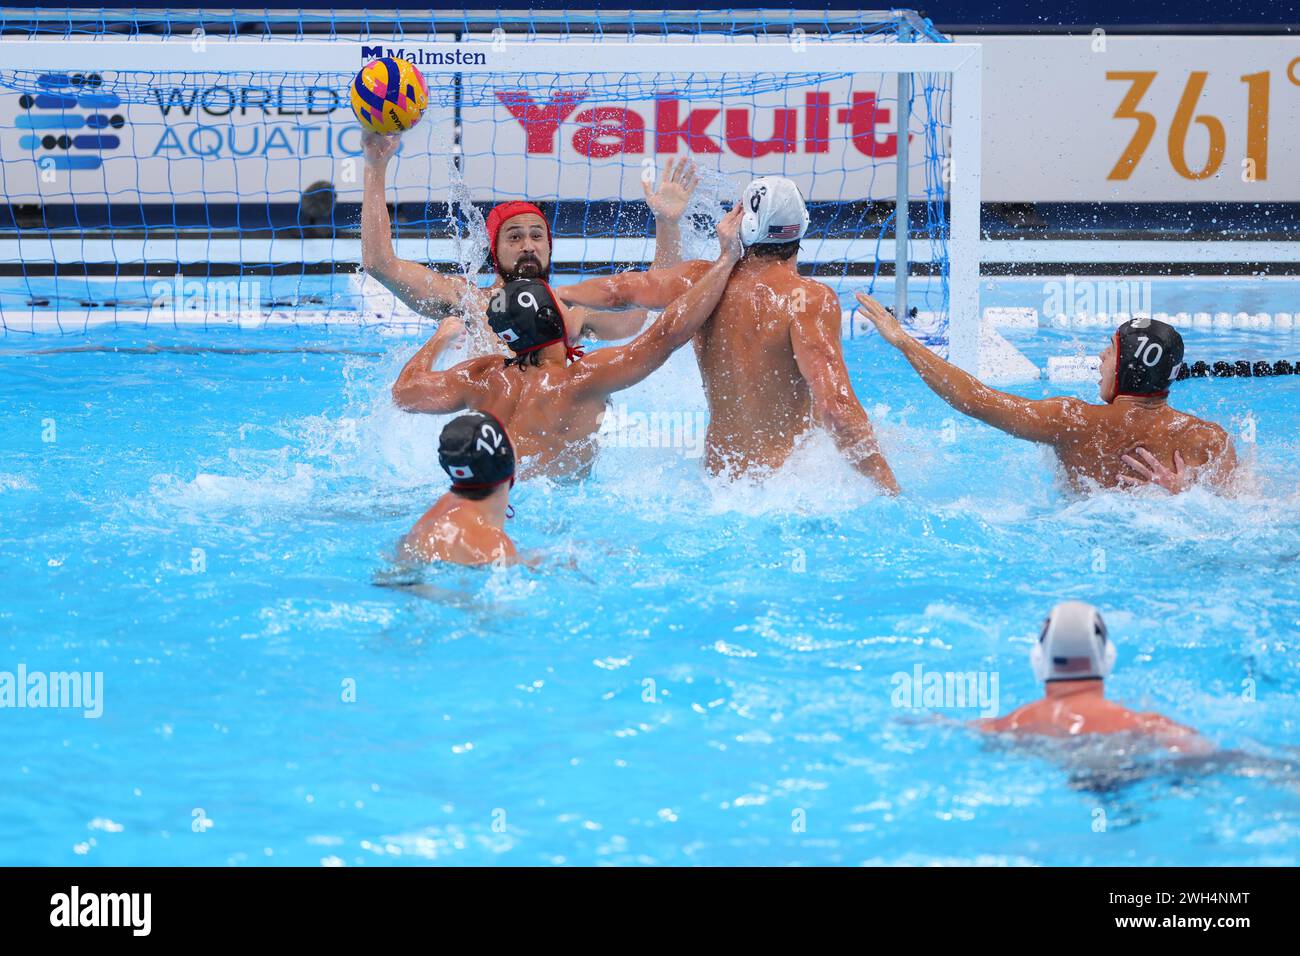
<point>473,494</point>
<point>523,361</point>
<point>773,250</point>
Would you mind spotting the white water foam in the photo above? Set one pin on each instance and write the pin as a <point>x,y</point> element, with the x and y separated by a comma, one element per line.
<point>14,483</point>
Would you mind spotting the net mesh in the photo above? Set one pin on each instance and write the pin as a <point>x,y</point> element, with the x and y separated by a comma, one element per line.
<point>884,26</point>
<point>116,182</point>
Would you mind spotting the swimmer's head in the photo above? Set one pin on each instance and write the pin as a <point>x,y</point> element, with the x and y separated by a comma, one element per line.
<point>1073,645</point>
<point>475,451</point>
<point>519,238</point>
<point>527,317</point>
<point>775,218</point>
<point>1142,359</point>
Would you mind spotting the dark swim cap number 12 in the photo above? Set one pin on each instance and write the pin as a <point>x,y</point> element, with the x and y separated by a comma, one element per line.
<point>483,443</point>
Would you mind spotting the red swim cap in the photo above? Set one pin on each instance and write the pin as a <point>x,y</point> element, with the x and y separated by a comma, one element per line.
<point>508,210</point>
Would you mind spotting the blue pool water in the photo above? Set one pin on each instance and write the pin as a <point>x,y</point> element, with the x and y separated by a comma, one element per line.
<point>702,675</point>
<point>340,294</point>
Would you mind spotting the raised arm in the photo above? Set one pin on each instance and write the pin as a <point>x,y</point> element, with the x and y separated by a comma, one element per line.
<point>617,368</point>
<point>421,288</point>
<point>1044,420</point>
<point>606,325</point>
<point>664,281</point>
<point>815,336</point>
<point>648,290</point>
<point>668,202</point>
<point>419,388</point>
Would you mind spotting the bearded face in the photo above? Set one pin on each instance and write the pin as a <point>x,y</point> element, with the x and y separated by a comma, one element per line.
<point>523,248</point>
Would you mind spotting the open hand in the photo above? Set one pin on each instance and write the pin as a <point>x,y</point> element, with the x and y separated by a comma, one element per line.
<point>1153,472</point>
<point>676,185</point>
<point>886,324</point>
<point>379,147</point>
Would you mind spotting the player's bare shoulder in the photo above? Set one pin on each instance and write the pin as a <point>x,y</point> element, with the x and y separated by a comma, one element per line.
<point>484,375</point>
<point>1193,433</point>
<point>810,298</point>
<point>1214,435</point>
<point>820,295</point>
<point>481,366</point>
<point>1074,415</point>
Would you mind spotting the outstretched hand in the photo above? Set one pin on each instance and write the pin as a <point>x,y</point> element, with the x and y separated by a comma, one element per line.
<point>379,147</point>
<point>1153,472</point>
<point>729,234</point>
<point>885,322</point>
<point>678,182</point>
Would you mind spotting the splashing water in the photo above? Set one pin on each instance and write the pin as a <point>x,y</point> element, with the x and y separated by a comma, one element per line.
<point>714,191</point>
<point>468,228</point>
<point>218,566</point>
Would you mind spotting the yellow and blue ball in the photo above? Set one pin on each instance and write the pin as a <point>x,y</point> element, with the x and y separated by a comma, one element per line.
<point>389,95</point>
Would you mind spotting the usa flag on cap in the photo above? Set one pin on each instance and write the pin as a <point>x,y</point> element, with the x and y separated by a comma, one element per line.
<point>784,233</point>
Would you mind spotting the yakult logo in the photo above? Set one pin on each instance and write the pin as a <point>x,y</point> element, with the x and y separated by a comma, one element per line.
<point>670,124</point>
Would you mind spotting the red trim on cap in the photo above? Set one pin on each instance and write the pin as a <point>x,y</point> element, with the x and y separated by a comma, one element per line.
<point>510,509</point>
<point>540,345</point>
<point>571,352</point>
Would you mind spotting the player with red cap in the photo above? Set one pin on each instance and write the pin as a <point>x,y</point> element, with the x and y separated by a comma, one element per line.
<point>526,244</point>
<point>520,246</point>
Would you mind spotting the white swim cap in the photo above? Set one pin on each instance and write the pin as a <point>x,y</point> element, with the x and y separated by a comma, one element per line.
<point>1073,645</point>
<point>774,211</point>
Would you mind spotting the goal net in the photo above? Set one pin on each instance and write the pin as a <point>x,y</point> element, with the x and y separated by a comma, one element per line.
<point>177,169</point>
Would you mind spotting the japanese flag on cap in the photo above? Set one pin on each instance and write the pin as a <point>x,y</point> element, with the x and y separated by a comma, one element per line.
<point>774,211</point>
<point>475,451</point>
